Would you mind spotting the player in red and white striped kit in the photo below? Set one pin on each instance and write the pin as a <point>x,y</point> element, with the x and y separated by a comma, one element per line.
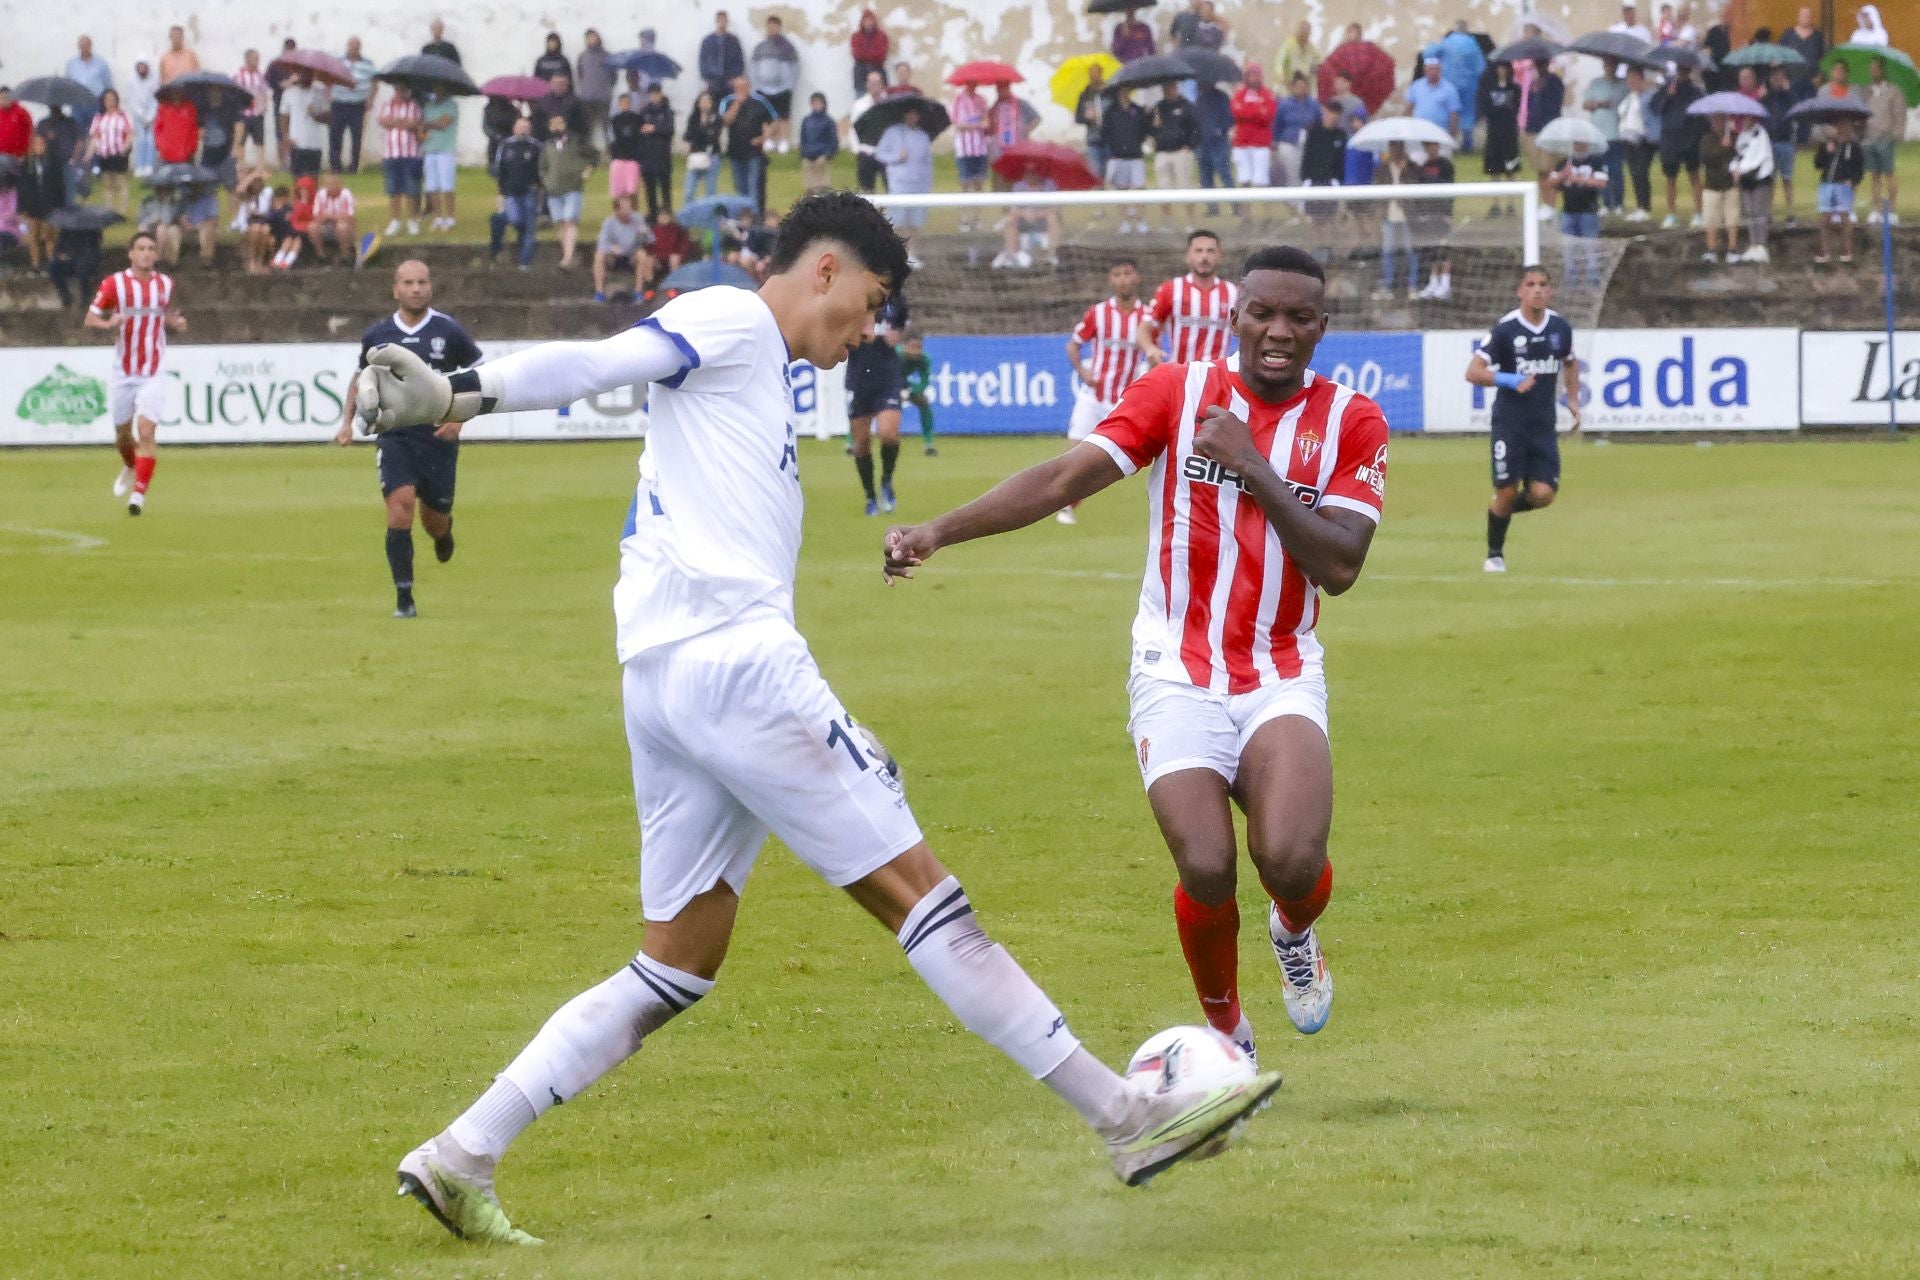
<point>1194,311</point>
<point>1112,329</point>
<point>139,303</point>
<point>1266,484</point>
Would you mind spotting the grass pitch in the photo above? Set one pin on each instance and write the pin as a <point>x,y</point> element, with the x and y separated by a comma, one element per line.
<point>1623,923</point>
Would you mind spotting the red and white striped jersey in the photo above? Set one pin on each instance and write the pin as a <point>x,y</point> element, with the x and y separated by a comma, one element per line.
<point>1202,327</point>
<point>141,306</point>
<point>1113,330</point>
<point>255,83</point>
<point>111,133</point>
<point>1222,605</point>
<point>400,119</point>
<point>328,206</point>
<point>969,108</point>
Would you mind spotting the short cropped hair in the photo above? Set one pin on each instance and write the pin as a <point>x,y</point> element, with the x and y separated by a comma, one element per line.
<point>846,218</point>
<point>1535,270</point>
<point>1201,233</point>
<point>1284,257</point>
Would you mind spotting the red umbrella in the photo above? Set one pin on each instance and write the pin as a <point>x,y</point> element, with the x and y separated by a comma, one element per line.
<point>985,73</point>
<point>1367,65</point>
<point>322,66</point>
<point>519,88</point>
<point>1063,166</point>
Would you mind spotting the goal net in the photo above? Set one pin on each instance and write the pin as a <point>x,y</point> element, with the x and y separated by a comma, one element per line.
<point>1414,276</point>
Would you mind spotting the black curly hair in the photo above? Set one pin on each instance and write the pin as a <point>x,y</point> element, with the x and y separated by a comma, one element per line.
<point>1284,257</point>
<point>846,218</point>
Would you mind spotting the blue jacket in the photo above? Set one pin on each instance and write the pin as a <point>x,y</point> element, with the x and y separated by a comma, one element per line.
<point>1215,110</point>
<point>1461,64</point>
<point>721,57</point>
<point>819,136</point>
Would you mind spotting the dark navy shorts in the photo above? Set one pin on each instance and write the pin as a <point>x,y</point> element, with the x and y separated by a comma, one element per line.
<point>1525,454</point>
<point>413,457</point>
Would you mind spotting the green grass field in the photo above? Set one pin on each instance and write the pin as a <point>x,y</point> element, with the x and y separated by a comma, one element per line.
<point>1623,928</point>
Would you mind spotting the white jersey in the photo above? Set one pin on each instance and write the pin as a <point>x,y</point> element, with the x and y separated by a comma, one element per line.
<point>715,536</point>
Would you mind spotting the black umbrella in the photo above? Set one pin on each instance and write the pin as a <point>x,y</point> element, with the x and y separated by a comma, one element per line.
<point>1528,50</point>
<point>426,71</point>
<point>888,112</point>
<point>1210,67</point>
<point>85,217</point>
<point>55,91</point>
<point>1679,55</point>
<point>1161,68</point>
<point>1827,110</point>
<point>210,91</point>
<point>1117,6</point>
<point>1617,45</point>
<point>182,175</point>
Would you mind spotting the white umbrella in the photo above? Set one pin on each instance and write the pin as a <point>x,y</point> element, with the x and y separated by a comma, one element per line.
<point>1560,136</point>
<point>1375,135</point>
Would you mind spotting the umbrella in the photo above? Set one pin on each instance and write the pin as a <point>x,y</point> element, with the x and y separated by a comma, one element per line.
<point>1070,81</point>
<point>1617,45</point>
<point>1210,67</point>
<point>888,112</point>
<point>1376,134</point>
<point>1560,136</point>
<point>705,215</point>
<point>976,73</point>
<point>55,91</point>
<point>708,271</point>
<point>1160,68</point>
<point>1545,23</point>
<point>1680,55</point>
<point>1528,50</point>
<point>519,88</point>
<point>1063,166</point>
<point>425,71</point>
<point>321,66</point>
<point>1727,104</point>
<point>1859,57</point>
<point>650,63</point>
<point>84,217</point>
<point>1117,6</point>
<point>181,175</point>
<point>1367,65</point>
<point>1825,110</point>
<point>211,92</point>
<point>1764,55</point>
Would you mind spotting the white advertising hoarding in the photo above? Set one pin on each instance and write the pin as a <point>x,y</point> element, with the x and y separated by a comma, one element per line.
<point>1641,380</point>
<point>1846,378</point>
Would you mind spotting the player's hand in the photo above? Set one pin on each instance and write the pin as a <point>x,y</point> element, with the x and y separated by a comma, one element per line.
<point>448,431</point>
<point>1223,438</point>
<point>177,323</point>
<point>1086,379</point>
<point>344,436</point>
<point>907,546</point>
<point>1526,385</point>
<point>398,388</point>
<point>1155,356</point>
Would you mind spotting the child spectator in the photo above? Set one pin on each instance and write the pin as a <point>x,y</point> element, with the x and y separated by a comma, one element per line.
<point>1721,204</point>
<point>1841,164</point>
<point>1753,172</point>
<point>819,144</point>
<point>1581,179</point>
<point>623,149</point>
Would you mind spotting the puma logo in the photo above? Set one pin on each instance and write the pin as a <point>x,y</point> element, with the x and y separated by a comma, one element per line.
<point>1059,1024</point>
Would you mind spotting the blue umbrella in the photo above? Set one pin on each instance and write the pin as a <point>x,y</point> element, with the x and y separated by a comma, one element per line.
<point>648,62</point>
<point>708,271</point>
<point>1727,104</point>
<point>706,214</point>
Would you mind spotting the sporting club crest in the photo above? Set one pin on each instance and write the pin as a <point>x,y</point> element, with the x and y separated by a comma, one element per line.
<point>1309,442</point>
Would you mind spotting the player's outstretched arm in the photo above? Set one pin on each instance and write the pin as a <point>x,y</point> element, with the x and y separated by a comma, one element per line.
<point>1014,503</point>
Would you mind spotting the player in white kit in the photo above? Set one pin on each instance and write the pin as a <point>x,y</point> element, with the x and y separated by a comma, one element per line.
<point>734,732</point>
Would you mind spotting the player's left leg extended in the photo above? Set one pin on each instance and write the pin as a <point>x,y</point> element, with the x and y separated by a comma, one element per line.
<point>123,441</point>
<point>1286,787</point>
<point>401,503</point>
<point>145,457</point>
<point>887,426</point>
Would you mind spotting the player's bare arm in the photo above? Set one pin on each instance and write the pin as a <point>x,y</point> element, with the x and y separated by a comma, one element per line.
<point>1080,369</point>
<point>1021,499</point>
<point>1148,337</point>
<point>344,436</point>
<point>1330,546</point>
<point>1571,372</point>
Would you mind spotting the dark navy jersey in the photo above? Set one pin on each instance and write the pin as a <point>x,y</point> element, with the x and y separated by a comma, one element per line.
<point>1514,346</point>
<point>892,316</point>
<point>438,339</point>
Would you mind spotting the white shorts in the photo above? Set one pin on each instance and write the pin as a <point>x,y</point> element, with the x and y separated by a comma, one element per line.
<point>735,734</point>
<point>135,397</point>
<point>439,171</point>
<point>1177,726</point>
<point>1127,175</point>
<point>1089,411</point>
<point>1251,166</point>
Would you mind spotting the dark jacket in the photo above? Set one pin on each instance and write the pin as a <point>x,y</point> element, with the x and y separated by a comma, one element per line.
<point>656,148</point>
<point>1214,112</point>
<point>548,65</point>
<point>42,185</point>
<point>1544,102</point>
<point>749,123</point>
<point>703,133</point>
<point>1841,162</point>
<point>496,121</point>
<point>565,105</point>
<point>819,136</point>
<point>1323,158</point>
<point>721,58</point>
<point>1679,132</point>
<point>1174,125</point>
<point>1087,111</point>
<point>1124,130</point>
<point>623,136</point>
<point>516,166</point>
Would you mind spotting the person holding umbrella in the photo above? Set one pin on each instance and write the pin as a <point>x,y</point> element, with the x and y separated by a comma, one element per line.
<point>1499,105</point>
<point>1029,228</point>
<point>1886,129</point>
<point>304,118</point>
<point>1174,129</point>
<point>1123,132</point>
<point>970,144</point>
<point>907,152</point>
<point>1841,163</point>
<point>1679,141</point>
<point>439,148</point>
<point>42,191</point>
<point>1580,181</point>
<point>1720,205</point>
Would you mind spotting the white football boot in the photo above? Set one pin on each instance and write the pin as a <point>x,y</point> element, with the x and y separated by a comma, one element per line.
<point>457,1189</point>
<point>1305,980</point>
<point>1186,1124</point>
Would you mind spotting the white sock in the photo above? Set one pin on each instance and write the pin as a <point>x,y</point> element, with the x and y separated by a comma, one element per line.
<point>1090,1087</point>
<point>587,1037</point>
<point>984,986</point>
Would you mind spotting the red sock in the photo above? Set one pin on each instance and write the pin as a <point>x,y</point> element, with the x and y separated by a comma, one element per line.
<point>143,473</point>
<point>1298,913</point>
<point>126,451</point>
<point>1210,939</point>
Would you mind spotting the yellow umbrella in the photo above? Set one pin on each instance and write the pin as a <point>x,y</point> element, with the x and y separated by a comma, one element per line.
<point>1070,81</point>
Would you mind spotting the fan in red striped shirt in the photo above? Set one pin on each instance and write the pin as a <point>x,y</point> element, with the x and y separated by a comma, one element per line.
<point>1266,484</point>
<point>138,302</point>
<point>109,143</point>
<point>969,117</point>
<point>253,120</point>
<point>1199,306</point>
<point>403,166</point>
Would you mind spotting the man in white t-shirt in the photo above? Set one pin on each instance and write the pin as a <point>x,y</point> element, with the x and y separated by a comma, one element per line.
<point>734,732</point>
<point>1630,24</point>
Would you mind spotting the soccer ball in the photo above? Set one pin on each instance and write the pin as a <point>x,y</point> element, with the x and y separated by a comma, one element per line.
<point>1189,1058</point>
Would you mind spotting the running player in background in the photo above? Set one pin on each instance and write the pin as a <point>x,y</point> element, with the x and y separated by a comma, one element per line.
<point>138,302</point>
<point>917,370</point>
<point>1112,329</point>
<point>417,462</point>
<point>1194,311</point>
<point>734,731</point>
<point>1266,487</point>
<point>874,383</point>
<point>1521,357</point>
